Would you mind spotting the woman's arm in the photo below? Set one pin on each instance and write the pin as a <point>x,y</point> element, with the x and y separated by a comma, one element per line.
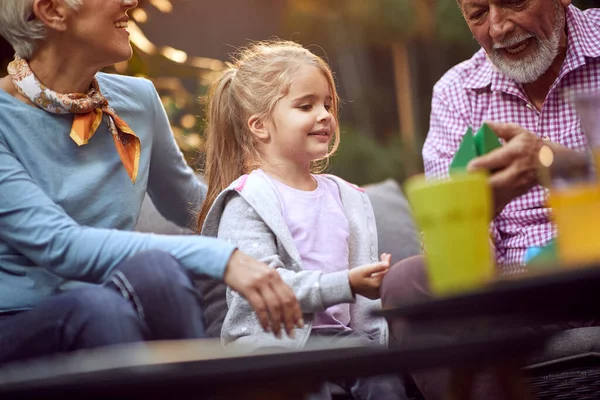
<point>38,228</point>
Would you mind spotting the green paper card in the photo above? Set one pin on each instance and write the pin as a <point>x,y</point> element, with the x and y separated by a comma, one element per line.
<point>466,152</point>
<point>486,140</point>
<point>472,146</point>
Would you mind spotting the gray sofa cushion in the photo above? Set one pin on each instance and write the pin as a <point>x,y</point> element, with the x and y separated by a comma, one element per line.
<point>151,221</point>
<point>395,229</point>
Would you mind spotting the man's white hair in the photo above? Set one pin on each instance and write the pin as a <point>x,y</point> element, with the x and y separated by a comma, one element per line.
<point>23,35</point>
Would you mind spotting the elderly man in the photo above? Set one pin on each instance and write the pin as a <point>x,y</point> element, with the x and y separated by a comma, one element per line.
<point>534,54</point>
<point>78,151</point>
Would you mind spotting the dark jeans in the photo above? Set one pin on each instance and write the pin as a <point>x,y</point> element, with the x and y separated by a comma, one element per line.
<point>407,282</point>
<point>149,297</point>
<point>379,387</point>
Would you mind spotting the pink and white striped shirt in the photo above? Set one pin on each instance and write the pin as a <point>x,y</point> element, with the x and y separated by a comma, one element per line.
<point>474,92</point>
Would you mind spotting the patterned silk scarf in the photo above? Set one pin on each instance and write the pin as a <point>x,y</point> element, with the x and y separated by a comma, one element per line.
<point>89,108</point>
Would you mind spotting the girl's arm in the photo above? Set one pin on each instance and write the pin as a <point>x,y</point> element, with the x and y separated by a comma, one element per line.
<point>361,318</point>
<point>315,291</point>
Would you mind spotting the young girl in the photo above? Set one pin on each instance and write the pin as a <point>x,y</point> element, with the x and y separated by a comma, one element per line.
<point>272,120</point>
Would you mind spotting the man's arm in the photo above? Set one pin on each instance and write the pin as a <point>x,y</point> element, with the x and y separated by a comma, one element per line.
<point>446,130</point>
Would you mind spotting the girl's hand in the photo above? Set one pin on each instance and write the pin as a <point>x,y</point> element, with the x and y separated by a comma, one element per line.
<point>366,280</point>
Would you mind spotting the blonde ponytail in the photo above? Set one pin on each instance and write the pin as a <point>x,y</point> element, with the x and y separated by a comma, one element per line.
<point>224,160</point>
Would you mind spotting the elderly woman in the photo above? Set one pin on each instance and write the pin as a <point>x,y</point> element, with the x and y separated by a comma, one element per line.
<point>78,151</point>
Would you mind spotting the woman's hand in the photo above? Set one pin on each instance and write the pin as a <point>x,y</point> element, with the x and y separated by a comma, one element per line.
<point>366,280</point>
<point>273,301</point>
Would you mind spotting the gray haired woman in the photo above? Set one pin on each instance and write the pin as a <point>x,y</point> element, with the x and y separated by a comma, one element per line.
<point>78,151</point>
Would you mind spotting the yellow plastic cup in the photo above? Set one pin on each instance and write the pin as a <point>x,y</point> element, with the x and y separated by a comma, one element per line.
<point>454,216</point>
<point>576,212</point>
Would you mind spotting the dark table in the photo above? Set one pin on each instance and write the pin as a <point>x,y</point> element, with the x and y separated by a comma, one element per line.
<point>194,369</point>
<point>544,296</point>
<point>521,303</point>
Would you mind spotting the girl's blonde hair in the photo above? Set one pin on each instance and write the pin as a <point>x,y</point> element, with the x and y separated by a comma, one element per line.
<point>252,85</point>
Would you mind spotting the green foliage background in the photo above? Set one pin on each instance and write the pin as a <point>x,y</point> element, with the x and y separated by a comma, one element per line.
<point>362,157</point>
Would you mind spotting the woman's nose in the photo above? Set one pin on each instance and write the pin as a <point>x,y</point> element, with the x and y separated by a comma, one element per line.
<point>129,3</point>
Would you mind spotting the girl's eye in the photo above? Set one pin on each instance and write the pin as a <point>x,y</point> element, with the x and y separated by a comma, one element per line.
<point>306,107</point>
<point>328,107</point>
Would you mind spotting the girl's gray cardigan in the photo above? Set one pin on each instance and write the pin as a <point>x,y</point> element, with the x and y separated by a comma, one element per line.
<point>248,214</point>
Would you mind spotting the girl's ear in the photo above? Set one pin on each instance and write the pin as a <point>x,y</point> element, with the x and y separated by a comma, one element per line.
<point>258,127</point>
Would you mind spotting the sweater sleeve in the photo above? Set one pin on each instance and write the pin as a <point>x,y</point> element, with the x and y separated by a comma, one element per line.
<point>172,185</point>
<point>315,290</point>
<point>31,223</point>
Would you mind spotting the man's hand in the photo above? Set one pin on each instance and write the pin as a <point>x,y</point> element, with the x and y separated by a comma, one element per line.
<point>273,301</point>
<point>513,167</point>
<point>366,280</point>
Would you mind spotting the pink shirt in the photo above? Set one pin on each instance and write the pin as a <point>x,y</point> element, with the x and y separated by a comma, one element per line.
<point>474,92</point>
<point>320,231</point>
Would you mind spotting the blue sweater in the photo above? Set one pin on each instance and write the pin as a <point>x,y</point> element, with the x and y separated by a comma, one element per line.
<point>66,212</point>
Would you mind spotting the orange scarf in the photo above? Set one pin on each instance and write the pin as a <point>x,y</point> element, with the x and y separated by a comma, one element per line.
<point>89,109</point>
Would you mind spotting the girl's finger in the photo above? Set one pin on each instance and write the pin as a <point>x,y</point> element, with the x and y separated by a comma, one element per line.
<point>379,273</point>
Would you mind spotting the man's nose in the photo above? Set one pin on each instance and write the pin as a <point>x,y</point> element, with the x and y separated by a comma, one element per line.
<point>500,24</point>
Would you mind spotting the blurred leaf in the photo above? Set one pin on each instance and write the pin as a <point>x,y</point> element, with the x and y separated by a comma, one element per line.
<point>362,159</point>
<point>451,26</point>
<point>382,20</point>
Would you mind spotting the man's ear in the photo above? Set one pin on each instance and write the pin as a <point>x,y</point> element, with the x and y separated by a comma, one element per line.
<point>258,127</point>
<point>52,13</point>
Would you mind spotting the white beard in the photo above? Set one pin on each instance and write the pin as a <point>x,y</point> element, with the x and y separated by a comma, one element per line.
<point>531,67</point>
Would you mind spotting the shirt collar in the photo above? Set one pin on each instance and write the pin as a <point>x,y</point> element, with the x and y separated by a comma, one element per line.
<point>583,41</point>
